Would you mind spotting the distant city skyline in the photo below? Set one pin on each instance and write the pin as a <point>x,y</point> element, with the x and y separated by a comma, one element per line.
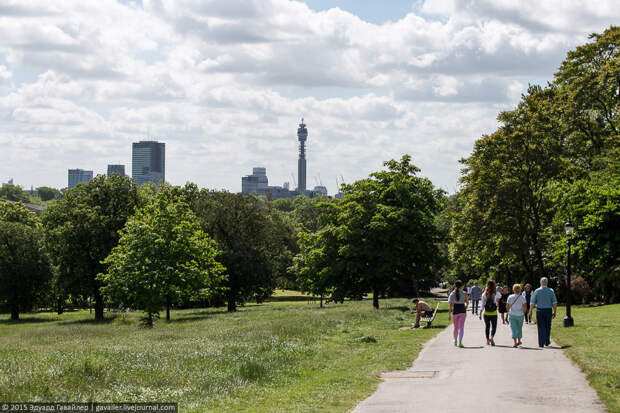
<point>222,81</point>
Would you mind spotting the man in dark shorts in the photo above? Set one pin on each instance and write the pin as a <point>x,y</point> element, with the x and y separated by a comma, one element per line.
<point>422,309</point>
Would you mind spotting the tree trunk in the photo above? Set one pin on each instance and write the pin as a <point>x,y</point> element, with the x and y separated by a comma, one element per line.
<point>321,301</point>
<point>232,301</point>
<point>167,310</point>
<point>14,311</point>
<point>98,303</point>
<point>59,305</point>
<point>375,298</point>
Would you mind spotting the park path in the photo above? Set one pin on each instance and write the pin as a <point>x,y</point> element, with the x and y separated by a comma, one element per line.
<point>485,379</point>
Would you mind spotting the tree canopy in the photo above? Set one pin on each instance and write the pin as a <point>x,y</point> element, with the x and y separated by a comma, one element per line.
<point>380,237</point>
<point>163,257</point>
<point>24,266</point>
<point>83,227</point>
<point>554,158</point>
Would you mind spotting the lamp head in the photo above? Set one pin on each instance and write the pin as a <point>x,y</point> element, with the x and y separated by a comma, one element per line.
<point>569,228</point>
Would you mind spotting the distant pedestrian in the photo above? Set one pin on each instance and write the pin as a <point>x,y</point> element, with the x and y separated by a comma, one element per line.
<point>545,301</point>
<point>501,306</point>
<point>516,313</point>
<point>458,311</point>
<point>422,309</point>
<point>528,298</point>
<point>475,295</point>
<point>490,298</point>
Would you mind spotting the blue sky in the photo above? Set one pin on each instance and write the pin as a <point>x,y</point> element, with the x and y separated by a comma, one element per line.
<point>372,11</point>
<point>224,82</point>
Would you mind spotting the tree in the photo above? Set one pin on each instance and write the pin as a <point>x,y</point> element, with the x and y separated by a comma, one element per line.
<point>306,212</point>
<point>17,212</point>
<point>24,267</point>
<point>283,204</point>
<point>588,82</point>
<point>83,227</point>
<point>13,193</point>
<point>242,228</point>
<point>282,238</point>
<point>47,194</point>
<point>320,269</point>
<point>162,257</point>
<point>507,206</point>
<point>382,235</point>
<point>593,206</point>
<point>554,158</point>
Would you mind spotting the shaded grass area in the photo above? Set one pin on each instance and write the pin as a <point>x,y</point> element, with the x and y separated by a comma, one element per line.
<point>279,356</point>
<point>594,344</point>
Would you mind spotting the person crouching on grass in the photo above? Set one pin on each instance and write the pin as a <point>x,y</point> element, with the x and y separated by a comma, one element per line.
<point>458,310</point>
<point>517,307</point>
<point>422,309</point>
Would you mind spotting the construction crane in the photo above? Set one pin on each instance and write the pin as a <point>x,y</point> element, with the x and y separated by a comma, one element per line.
<point>294,181</point>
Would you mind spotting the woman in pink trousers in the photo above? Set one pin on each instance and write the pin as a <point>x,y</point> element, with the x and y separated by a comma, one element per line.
<point>458,311</point>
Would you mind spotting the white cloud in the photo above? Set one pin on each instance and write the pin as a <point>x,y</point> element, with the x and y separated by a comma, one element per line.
<point>224,83</point>
<point>5,77</point>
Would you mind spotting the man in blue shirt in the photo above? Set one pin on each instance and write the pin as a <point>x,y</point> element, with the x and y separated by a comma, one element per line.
<point>545,302</point>
<point>475,295</point>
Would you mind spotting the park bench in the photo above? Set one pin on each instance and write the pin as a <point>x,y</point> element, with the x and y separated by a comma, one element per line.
<point>429,320</point>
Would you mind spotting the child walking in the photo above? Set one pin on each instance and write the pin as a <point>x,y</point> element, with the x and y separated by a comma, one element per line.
<point>458,310</point>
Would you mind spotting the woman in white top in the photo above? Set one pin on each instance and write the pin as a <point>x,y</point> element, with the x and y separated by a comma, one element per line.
<point>517,307</point>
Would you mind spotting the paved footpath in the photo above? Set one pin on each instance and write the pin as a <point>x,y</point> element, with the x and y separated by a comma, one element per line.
<point>482,379</point>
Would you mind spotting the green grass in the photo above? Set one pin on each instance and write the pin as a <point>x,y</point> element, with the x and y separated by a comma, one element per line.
<point>281,356</point>
<point>594,344</point>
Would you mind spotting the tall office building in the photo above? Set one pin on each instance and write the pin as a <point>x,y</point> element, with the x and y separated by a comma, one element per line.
<point>77,176</point>
<point>302,135</point>
<point>116,169</point>
<point>148,162</point>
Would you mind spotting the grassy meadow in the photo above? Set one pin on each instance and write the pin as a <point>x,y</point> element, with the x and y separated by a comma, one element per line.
<point>594,344</point>
<point>283,355</point>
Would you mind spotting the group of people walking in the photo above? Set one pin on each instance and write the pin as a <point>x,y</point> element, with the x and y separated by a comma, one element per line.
<point>514,309</point>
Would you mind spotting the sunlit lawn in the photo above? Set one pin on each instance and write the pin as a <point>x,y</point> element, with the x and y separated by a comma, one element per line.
<point>285,355</point>
<point>594,344</point>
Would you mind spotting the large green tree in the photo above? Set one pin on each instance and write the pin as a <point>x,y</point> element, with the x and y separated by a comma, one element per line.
<point>381,236</point>
<point>244,231</point>
<point>554,158</point>
<point>83,227</point>
<point>507,208</point>
<point>24,267</point>
<point>163,257</point>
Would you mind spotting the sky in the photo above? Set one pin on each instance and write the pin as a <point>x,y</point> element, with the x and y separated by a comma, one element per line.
<point>224,83</point>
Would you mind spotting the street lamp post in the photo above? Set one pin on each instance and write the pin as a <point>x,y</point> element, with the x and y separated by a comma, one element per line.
<point>568,320</point>
<point>532,251</point>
